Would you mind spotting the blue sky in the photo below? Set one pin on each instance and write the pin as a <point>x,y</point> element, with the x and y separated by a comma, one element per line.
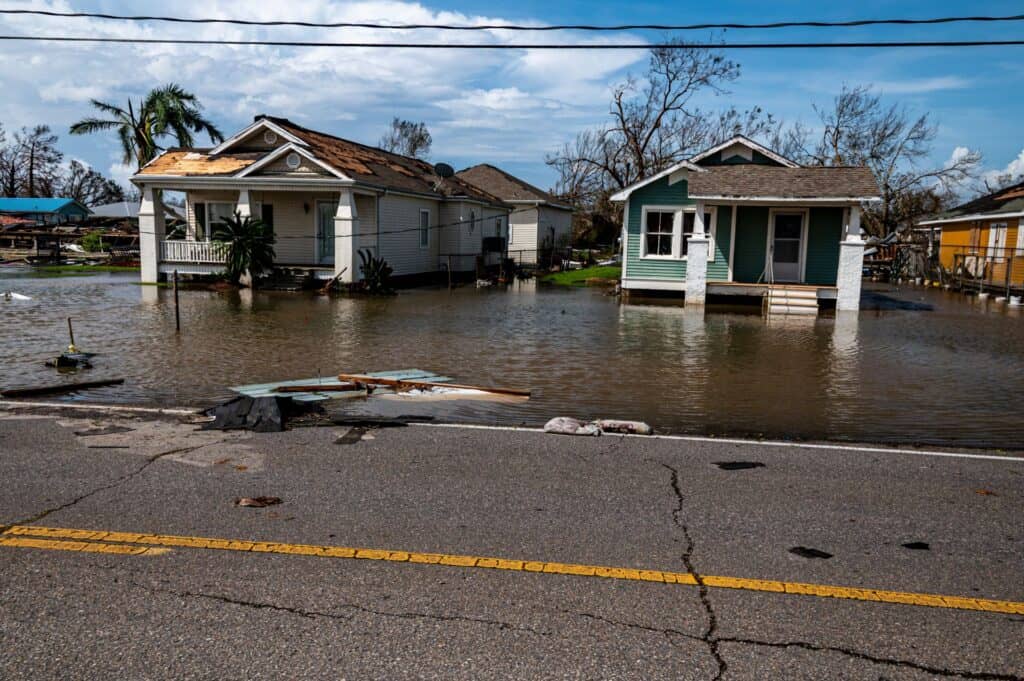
<point>507,107</point>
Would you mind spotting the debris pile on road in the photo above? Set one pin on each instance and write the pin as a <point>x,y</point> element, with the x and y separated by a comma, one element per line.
<point>564,425</point>
<point>259,414</point>
<point>257,502</point>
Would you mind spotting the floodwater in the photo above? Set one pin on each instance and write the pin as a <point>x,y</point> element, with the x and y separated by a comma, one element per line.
<point>926,366</point>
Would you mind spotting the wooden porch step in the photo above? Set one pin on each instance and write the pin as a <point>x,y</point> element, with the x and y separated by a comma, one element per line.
<point>782,300</point>
<point>792,310</point>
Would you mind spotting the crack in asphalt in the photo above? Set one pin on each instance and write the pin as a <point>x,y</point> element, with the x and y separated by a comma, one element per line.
<point>261,605</point>
<point>709,637</point>
<point>903,664</point>
<point>150,460</point>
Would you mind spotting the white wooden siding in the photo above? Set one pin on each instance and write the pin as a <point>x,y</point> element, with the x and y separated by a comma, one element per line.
<point>402,250</point>
<point>560,220</point>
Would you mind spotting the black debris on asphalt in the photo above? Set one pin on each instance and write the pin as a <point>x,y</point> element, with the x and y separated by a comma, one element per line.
<point>805,552</point>
<point>738,465</point>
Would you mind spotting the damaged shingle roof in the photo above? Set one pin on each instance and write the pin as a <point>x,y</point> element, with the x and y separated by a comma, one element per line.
<point>1007,200</point>
<point>364,164</point>
<point>764,181</point>
<point>503,185</point>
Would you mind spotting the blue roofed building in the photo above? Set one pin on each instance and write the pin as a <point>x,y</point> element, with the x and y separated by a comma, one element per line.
<point>48,211</point>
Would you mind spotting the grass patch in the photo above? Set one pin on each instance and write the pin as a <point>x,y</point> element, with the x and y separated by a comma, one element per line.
<point>602,273</point>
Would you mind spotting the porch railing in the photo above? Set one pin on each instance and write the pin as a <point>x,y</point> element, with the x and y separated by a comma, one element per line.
<point>180,250</point>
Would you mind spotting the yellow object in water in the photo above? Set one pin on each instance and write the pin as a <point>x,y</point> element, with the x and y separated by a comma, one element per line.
<point>72,348</point>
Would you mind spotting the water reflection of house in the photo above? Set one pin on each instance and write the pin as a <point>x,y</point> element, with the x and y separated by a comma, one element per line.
<point>983,237</point>
<point>326,198</point>
<point>739,219</point>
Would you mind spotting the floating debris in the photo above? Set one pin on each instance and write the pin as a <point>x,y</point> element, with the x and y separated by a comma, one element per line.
<point>11,295</point>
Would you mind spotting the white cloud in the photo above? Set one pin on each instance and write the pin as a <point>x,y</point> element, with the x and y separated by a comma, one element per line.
<point>523,102</point>
<point>1015,168</point>
<point>917,86</point>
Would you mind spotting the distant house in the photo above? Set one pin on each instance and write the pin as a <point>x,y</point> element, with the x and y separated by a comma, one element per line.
<point>984,237</point>
<point>55,211</point>
<point>128,211</point>
<point>326,198</point>
<point>538,221</point>
<point>739,219</point>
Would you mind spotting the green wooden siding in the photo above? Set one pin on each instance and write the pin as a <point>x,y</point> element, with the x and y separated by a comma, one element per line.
<point>751,241</point>
<point>823,235</point>
<point>718,269</point>
<point>658,193</point>
<point>661,193</point>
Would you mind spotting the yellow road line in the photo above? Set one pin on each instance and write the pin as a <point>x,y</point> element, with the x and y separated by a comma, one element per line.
<point>44,537</point>
<point>81,546</point>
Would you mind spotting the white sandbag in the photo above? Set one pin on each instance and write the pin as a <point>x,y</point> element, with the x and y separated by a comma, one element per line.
<point>563,425</point>
<point>629,427</point>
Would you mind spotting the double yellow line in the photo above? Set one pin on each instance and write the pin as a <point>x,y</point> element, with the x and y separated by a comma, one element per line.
<point>132,543</point>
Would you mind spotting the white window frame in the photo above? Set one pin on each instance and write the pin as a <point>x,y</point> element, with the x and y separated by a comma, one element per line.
<point>424,231</point>
<point>677,230</point>
<point>995,228</point>
<point>710,229</point>
<point>207,230</point>
<point>805,230</point>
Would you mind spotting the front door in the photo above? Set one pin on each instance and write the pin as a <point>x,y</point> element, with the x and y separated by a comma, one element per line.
<point>325,212</point>
<point>787,246</point>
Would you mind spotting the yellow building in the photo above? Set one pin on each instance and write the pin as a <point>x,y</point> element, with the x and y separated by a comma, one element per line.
<point>983,238</point>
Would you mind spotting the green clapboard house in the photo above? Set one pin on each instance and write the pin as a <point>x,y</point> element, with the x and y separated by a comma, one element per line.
<point>739,219</point>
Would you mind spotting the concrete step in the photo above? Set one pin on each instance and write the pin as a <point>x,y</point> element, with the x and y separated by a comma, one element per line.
<point>792,310</point>
<point>795,302</point>
<point>795,293</point>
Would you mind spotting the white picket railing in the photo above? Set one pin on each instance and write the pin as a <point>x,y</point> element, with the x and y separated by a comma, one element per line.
<point>193,251</point>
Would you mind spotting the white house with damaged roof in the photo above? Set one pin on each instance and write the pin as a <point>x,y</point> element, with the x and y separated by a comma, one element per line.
<point>740,219</point>
<point>326,199</point>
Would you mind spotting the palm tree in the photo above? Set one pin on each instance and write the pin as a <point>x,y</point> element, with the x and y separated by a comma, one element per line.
<point>165,111</point>
<point>249,245</point>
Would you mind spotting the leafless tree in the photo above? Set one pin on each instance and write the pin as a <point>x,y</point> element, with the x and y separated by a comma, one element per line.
<point>39,159</point>
<point>407,138</point>
<point>993,183</point>
<point>653,123</point>
<point>88,186</point>
<point>859,129</point>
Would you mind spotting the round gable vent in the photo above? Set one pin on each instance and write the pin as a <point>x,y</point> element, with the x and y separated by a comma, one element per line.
<point>293,160</point>
<point>270,137</point>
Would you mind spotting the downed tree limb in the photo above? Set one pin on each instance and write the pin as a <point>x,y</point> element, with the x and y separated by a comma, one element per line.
<point>409,383</point>
<point>62,388</point>
<point>331,282</point>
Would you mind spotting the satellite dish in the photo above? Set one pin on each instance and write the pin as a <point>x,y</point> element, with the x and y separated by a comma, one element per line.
<point>443,170</point>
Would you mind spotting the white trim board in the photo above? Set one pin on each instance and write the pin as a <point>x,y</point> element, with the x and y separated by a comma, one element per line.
<point>750,144</point>
<point>287,149</point>
<point>769,251</point>
<point>759,200</point>
<point>624,193</point>
<point>973,216</point>
<point>251,128</point>
<point>655,284</point>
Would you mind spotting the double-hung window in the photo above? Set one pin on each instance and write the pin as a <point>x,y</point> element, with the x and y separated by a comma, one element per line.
<point>424,228</point>
<point>659,233</point>
<point>209,217</point>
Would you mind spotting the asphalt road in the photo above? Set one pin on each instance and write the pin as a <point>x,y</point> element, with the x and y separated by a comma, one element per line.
<point>649,504</point>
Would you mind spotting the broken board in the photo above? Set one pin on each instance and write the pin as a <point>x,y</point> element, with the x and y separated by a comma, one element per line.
<point>270,389</point>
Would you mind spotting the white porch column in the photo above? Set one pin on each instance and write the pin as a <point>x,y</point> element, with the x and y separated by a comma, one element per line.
<point>851,263</point>
<point>151,233</point>
<point>346,231</point>
<point>697,260</point>
<point>244,204</point>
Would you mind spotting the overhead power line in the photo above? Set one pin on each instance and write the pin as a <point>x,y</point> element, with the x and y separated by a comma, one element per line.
<point>520,46</point>
<point>524,27</point>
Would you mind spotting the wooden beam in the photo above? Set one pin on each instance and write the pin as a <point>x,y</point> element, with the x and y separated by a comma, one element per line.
<point>406,383</point>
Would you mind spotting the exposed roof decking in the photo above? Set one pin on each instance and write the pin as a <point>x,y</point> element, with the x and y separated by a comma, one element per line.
<point>197,163</point>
